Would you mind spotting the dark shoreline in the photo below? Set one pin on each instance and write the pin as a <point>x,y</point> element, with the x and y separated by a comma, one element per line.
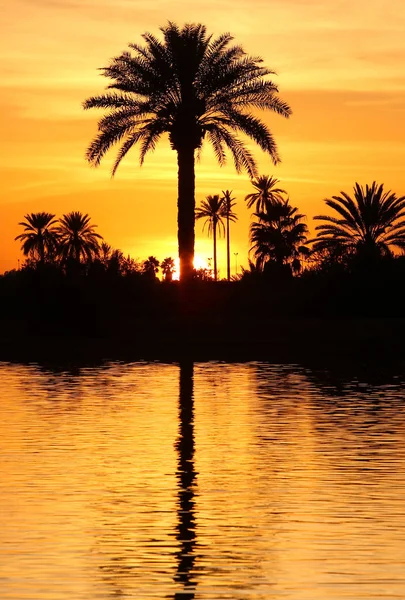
<point>323,341</point>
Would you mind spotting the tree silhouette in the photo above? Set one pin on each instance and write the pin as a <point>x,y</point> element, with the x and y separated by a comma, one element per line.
<point>40,238</point>
<point>151,266</point>
<point>192,87</point>
<point>266,192</point>
<point>77,239</point>
<point>279,236</point>
<point>368,224</point>
<point>214,210</point>
<point>168,267</point>
<point>229,205</point>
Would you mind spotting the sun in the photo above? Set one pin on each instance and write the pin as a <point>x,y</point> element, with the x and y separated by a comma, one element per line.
<point>199,263</point>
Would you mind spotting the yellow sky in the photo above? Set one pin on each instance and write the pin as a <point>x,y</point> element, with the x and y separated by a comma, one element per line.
<point>340,65</point>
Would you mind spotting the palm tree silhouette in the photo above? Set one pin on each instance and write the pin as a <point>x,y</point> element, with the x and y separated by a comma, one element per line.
<point>229,205</point>
<point>77,238</point>
<point>168,267</point>
<point>40,238</point>
<point>151,266</point>
<point>191,86</point>
<point>214,210</point>
<point>266,192</point>
<point>369,224</point>
<point>279,236</point>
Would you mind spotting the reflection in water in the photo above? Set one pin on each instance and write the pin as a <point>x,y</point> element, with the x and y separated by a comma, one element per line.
<point>186,481</point>
<point>301,482</point>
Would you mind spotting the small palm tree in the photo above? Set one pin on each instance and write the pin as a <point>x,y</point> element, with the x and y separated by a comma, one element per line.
<point>192,87</point>
<point>213,210</point>
<point>229,204</point>
<point>40,238</point>
<point>77,238</point>
<point>168,267</point>
<point>370,223</point>
<point>150,266</point>
<point>266,192</point>
<point>279,236</point>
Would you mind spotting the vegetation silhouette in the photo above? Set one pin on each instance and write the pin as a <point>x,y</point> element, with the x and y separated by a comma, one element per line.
<point>108,304</point>
<point>77,239</point>
<point>214,210</point>
<point>191,86</point>
<point>186,476</point>
<point>229,206</point>
<point>266,193</point>
<point>278,236</point>
<point>40,237</point>
<point>168,267</point>
<point>368,225</point>
<point>151,266</point>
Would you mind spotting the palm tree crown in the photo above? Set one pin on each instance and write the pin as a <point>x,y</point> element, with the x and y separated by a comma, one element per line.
<point>279,235</point>
<point>77,238</point>
<point>370,222</point>
<point>168,267</point>
<point>266,192</point>
<point>40,235</point>
<point>191,86</point>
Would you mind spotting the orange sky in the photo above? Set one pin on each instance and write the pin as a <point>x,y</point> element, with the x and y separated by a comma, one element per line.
<point>340,65</point>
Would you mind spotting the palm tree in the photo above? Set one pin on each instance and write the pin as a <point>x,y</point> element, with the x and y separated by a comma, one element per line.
<point>150,266</point>
<point>279,236</point>
<point>168,267</point>
<point>266,192</point>
<point>368,224</point>
<point>191,86</point>
<point>77,238</point>
<point>39,239</point>
<point>230,216</point>
<point>213,210</point>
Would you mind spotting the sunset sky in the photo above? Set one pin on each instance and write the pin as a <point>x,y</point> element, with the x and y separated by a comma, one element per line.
<point>339,64</point>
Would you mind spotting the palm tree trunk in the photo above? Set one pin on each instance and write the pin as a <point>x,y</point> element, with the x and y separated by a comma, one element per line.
<point>215,250</point>
<point>228,247</point>
<point>186,210</point>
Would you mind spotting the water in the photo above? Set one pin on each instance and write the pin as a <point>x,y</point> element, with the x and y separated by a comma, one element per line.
<point>237,481</point>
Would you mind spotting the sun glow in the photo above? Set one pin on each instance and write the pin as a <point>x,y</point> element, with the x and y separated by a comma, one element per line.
<point>199,263</point>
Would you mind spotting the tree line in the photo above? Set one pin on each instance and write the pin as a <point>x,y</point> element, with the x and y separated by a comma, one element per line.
<point>72,244</point>
<point>363,228</point>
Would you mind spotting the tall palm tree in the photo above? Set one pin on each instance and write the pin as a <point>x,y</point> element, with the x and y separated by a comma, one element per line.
<point>191,86</point>
<point>213,210</point>
<point>279,236</point>
<point>77,238</point>
<point>370,223</point>
<point>266,192</point>
<point>229,203</point>
<point>39,239</point>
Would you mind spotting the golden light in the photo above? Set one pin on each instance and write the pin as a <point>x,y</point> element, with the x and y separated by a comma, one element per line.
<point>199,263</point>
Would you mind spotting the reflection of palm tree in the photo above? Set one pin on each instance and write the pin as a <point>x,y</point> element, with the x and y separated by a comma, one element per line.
<point>39,239</point>
<point>370,223</point>
<point>77,238</point>
<point>192,87</point>
<point>279,236</point>
<point>229,205</point>
<point>186,481</point>
<point>266,193</point>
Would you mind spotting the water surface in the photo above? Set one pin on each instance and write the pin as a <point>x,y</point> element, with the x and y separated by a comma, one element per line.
<point>210,481</point>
